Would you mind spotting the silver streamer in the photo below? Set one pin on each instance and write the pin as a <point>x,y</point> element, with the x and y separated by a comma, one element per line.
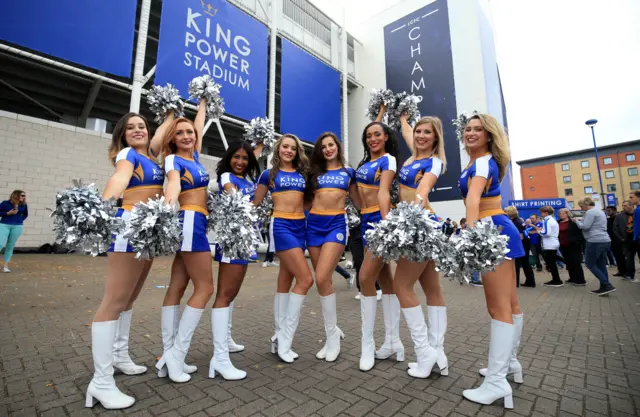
<point>405,104</point>
<point>407,232</point>
<point>353,217</point>
<point>205,87</point>
<point>233,225</point>
<point>461,123</point>
<point>395,192</point>
<point>83,219</point>
<point>479,249</point>
<point>378,98</point>
<point>264,211</point>
<point>153,229</point>
<point>162,100</point>
<point>260,131</point>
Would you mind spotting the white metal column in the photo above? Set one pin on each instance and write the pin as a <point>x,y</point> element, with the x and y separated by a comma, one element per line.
<point>141,50</point>
<point>273,27</point>
<point>345,91</point>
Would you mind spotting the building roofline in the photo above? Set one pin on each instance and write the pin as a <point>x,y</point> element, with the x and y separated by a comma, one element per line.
<point>581,151</point>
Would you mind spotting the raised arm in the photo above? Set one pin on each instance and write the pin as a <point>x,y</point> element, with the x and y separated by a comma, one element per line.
<point>407,131</point>
<point>473,199</point>
<point>381,112</point>
<point>201,117</point>
<point>119,180</point>
<point>155,146</point>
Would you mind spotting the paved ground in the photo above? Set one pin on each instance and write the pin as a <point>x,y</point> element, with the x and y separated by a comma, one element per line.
<point>580,352</point>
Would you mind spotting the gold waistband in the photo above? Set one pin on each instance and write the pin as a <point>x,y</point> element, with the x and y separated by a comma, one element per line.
<point>370,210</point>
<point>490,212</point>
<point>287,215</point>
<point>327,212</point>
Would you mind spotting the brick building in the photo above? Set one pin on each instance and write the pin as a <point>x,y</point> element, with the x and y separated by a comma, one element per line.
<point>574,175</point>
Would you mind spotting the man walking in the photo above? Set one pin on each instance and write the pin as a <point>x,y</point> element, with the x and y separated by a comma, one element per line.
<point>622,234</point>
<point>549,233</point>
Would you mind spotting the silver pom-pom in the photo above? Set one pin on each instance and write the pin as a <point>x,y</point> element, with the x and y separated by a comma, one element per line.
<point>353,217</point>
<point>232,224</point>
<point>260,131</point>
<point>264,211</point>
<point>405,105</point>
<point>205,87</point>
<point>153,229</point>
<point>479,249</point>
<point>395,192</point>
<point>378,98</point>
<point>407,232</point>
<point>83,219</point>
<point>162,100</point>
<point>461,123</point>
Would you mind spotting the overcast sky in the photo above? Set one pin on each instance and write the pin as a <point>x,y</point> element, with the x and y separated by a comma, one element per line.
<point>561,62</point>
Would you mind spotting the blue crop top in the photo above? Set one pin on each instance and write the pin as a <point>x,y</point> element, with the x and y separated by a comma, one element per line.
<point>485,167</point>
<point>242,184</point>
<point>411,174</point>
<point>193,176</point>
<point>336,180</point>
<point>146,172</point>
<point>369,173</point>
<point>284,182</point>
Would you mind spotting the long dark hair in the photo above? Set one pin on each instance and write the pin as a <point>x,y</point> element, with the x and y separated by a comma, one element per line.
<point>390,146</point>
<point>252,170</point>
<point>319,163</point>
<point>119,138</point>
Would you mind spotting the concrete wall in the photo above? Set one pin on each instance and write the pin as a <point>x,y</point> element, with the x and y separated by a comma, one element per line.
<point>42,158</point>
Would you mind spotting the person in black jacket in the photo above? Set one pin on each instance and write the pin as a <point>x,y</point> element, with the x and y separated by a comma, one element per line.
<point>623,232</point>
<point>571,238</point>
<point>616,243</point>
<point>522,262</point>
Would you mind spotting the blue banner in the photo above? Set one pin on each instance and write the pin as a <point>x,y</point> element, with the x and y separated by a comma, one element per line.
<point>612,200</point>
<point>97,34</point>
<point>310,95</point>
<point>528,207</point>
<point>418,60</point>
<point>216,38</point>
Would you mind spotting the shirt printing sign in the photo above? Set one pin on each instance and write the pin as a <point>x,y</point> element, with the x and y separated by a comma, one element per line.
<point>200,37</point>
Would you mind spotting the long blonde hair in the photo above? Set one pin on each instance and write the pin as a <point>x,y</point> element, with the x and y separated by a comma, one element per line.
<point>438,148</point>
<point>498,141</point>
<point>300,162</point>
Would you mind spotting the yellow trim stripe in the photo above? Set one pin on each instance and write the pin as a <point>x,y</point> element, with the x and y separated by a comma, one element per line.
<point>287,215</point>
<point>193,207</point>
<point>327,212</point>
<point>370,210</point>
<point>287,192</point>
<point>489,213</point>
<point>371,187</point>
<point>127,207</point>
<point>143,187</point>
<point>406,187</point>
<point>324,190</point>
<point>192,190</point>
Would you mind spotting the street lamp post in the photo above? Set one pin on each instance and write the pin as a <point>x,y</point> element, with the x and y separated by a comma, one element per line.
<point>591,123</point>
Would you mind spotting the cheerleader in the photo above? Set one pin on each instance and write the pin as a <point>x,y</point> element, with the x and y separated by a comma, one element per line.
<point>417,178</point>
<point>187,185</point>
<point>237,171</point>
<point>287,232</point>
<point>374,177</point>
<point>488,147</point>
<point>138,177</point>
<point>327,229</point>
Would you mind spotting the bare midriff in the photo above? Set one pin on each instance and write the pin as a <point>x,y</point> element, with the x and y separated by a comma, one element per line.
<point>288,204</point>
<point>490,206</point>
<point>409,195</point>
<point>133,196</point>
<point>328,202</point>
<point>195,200</point>
<point>368,196</point>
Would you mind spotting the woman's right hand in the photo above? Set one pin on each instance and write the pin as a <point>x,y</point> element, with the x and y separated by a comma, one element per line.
<point>12,212</point>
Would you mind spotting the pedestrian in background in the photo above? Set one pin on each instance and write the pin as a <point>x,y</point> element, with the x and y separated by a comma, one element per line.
<point>571,238</point>
<point>623,232</point>
<point>13,213</point>
<point>594,228</point>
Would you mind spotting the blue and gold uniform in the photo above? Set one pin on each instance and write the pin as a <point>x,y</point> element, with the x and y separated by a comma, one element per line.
<point>411,174</point>
<point>487,167</point>
<point>147,174</point>
<point>193,218</point>
<point>287,230</point>
<point>368,176</point>
<point>246,187</point>
<point>330,226</point>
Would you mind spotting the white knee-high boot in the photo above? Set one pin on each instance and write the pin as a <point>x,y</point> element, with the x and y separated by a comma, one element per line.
<point>331,348</point>
<point>233,346</point>
<point>121,358</point>
<point>280,305</point>
<point>392,344</point>
<point>368,345</point>
<point>495,385</point>
<point>515,368</point>
<point>289,325</point>
<point>426,354</point>
<point>173,359</point>
<point>437,317</point>
<point>169,321</point>
<point>102,387</point>
<point>220,362</point>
